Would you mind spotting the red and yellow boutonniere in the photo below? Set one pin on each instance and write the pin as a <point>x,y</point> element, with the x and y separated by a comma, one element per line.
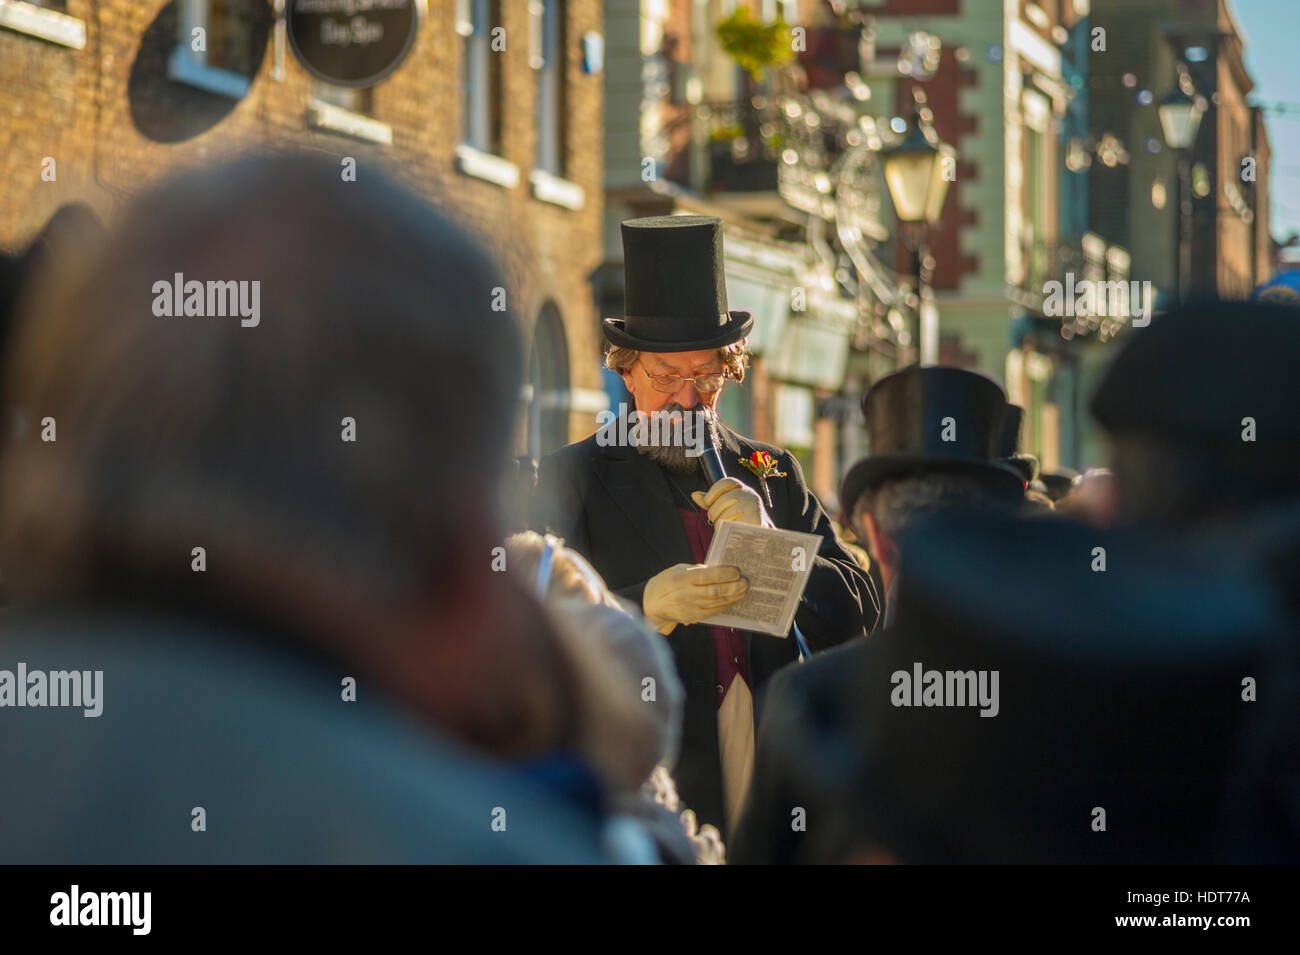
<point>764,466</point>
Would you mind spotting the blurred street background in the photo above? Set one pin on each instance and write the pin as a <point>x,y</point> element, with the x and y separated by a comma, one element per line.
<point>902,181</point>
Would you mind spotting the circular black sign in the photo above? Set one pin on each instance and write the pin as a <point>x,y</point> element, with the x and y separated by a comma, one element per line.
<point>352,42</point>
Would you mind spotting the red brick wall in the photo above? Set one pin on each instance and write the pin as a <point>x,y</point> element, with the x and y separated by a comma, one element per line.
<point>90,110</point>
<point>952,125</point>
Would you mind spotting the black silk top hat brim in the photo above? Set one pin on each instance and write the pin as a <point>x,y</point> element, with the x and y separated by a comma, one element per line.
<point>1119,689</point>
<point>675,291</point>
<point>907,421</point>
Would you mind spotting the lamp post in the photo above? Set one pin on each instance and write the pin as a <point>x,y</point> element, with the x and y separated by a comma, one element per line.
<point>1180,114</point>
<point>917,172</point>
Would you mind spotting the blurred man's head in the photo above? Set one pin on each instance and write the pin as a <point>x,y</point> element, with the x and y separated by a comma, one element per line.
<point>1201,410</point>
<point>1083,676</point>
<point>322,457</point>
<point>939,438</point>
<point>882,513</point>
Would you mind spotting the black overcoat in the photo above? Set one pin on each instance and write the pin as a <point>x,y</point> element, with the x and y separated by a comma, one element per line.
<point>615,507</point>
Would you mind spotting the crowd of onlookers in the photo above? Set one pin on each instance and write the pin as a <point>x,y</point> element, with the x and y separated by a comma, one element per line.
<point>288,549</point>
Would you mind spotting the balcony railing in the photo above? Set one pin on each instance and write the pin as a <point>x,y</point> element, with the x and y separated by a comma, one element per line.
<point>744,146</point>
<point>737,147</point>
<point>1084,284</point>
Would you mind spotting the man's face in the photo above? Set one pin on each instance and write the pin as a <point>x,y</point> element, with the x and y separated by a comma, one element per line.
<point>683,364</point>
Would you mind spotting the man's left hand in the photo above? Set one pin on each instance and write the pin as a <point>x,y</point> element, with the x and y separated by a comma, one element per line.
<point>730,500</point>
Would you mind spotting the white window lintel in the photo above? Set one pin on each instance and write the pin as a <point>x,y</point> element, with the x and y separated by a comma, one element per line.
<point>50,25</point>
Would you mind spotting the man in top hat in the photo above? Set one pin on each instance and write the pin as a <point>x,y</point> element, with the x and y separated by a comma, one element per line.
<point>644,514</point>
<point>1201,407</point>
<point>936,439</point>
<point>1094,718</point>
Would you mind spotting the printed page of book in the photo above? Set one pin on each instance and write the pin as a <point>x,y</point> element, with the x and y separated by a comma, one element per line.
<point>775,562</point>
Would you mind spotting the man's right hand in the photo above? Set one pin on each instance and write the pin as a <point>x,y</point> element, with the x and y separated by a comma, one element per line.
<point>688,593</point>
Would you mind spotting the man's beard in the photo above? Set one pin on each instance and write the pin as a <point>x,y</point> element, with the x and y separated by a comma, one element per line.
<point>672,455</point>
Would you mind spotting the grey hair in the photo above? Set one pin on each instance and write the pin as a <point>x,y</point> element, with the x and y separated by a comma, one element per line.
<point>896,504</point>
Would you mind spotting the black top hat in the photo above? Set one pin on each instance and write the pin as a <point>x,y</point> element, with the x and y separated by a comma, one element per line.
<point>1191,377</point>
<point>1009,451</point>
<point>907,423</point>
<point>675,290</point>
<point>1119,689</point>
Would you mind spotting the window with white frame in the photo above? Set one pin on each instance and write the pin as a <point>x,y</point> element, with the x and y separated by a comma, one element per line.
<point>548,58</point>
<point>480,88</point>
<point>220,44</point>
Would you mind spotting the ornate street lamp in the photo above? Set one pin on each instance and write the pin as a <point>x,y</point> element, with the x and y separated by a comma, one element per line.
<point>914,172</point>
<point>1180,114</point>
<point>917,170</point>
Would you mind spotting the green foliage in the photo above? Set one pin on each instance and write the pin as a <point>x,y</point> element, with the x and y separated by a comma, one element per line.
<point>755,46</point>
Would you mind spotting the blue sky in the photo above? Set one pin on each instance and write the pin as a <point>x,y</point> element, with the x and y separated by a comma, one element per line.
<point>1271,29</point>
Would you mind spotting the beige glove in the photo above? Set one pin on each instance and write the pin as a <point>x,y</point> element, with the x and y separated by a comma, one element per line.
<point>730,500</point>
<point>687,593</point>
<point>705,839</point>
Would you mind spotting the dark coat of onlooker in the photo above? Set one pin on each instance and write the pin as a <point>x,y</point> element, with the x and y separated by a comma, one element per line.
<point>1125,708</point>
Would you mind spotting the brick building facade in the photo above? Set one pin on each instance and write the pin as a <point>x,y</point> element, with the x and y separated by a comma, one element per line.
<point>97,100</point>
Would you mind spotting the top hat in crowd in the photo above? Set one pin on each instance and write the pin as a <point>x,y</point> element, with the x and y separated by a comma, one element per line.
<point>1009,450</point>
<point>909,435</point>
<point>675,292</point>
<point>1120,722</point>
<point>1192,376</point>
